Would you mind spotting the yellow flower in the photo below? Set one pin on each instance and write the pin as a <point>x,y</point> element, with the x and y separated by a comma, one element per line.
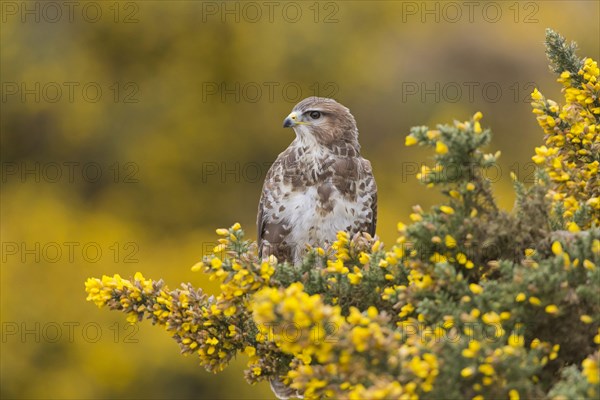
<point>355,277</point>
<point>447,210</point>
<point>212,341</point>
<point>478,115</point>
<point>572,227</point>
<point>363,258</point>
<point>433,134</point>
<point>586,319</point>
<point>236,226</point>
<point>529,252</point>
<point>475,288</point>
<point>474,346</point>
<point>591,371</point>
<point>438,258</point>
<point>360,336</point>
<point>490,318</point>
<point>132,318</point>
<point>198,266</point>
<point>551,309</point>
<point>538,159</point>
<point>219,248</point>
<point>557,248</point>
<point>415,217</point>
<point>469,353</point>
<point>536,95</point>
<point>376,245</point>
<point>513,395</point>
<point>535,301</point>
<point>588,264</point>
<point>222,232</point>
<point>441,147</point>
<point>229,311</point>
<point>516,341</point>
<point>216,263</point>
<point>406,310</point>
<point>470,187</point>
<point>337,266</point>
<point>450,241</point>
<point>466,372</point>
<point>410,140</point>
<point>486,369</point>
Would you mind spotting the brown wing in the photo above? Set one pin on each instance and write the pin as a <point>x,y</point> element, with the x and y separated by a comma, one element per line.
<point>272,231</point>
<point>373,225</point>
<point>369,195</point>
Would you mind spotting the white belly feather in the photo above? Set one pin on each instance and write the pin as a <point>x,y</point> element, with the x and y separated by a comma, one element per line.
<point>310,225</point>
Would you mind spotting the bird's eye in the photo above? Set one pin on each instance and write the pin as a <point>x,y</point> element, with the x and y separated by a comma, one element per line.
<point>315,114</point>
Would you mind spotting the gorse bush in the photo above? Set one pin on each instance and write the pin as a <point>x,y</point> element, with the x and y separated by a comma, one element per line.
<point>470,302</point>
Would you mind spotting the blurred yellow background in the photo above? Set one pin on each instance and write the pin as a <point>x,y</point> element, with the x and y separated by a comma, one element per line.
<point>131,130</point>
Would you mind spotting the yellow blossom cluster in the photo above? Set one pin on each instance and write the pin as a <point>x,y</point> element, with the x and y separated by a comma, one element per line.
<point>590,368</point>
<point>464,138</point>
<point>196,323</point>
<point>570,155</point>
<point>237,280</point>
<point>117,292</point>
<point>335,355</point>
<point>212,327</point>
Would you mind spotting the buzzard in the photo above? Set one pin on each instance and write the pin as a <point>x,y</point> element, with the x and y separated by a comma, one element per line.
<point>318,186</point>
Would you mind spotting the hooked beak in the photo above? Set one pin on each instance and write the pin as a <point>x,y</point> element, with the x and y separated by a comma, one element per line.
<point>292,120</point>
<point>288,122</point>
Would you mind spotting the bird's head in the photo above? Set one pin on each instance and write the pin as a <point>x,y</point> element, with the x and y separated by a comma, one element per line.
<point>322,120</point>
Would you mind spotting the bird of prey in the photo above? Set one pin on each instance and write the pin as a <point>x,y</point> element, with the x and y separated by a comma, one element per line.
<point>318,186</point>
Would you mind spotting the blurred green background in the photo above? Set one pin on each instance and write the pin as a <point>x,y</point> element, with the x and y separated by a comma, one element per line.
<point>131,130</point>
